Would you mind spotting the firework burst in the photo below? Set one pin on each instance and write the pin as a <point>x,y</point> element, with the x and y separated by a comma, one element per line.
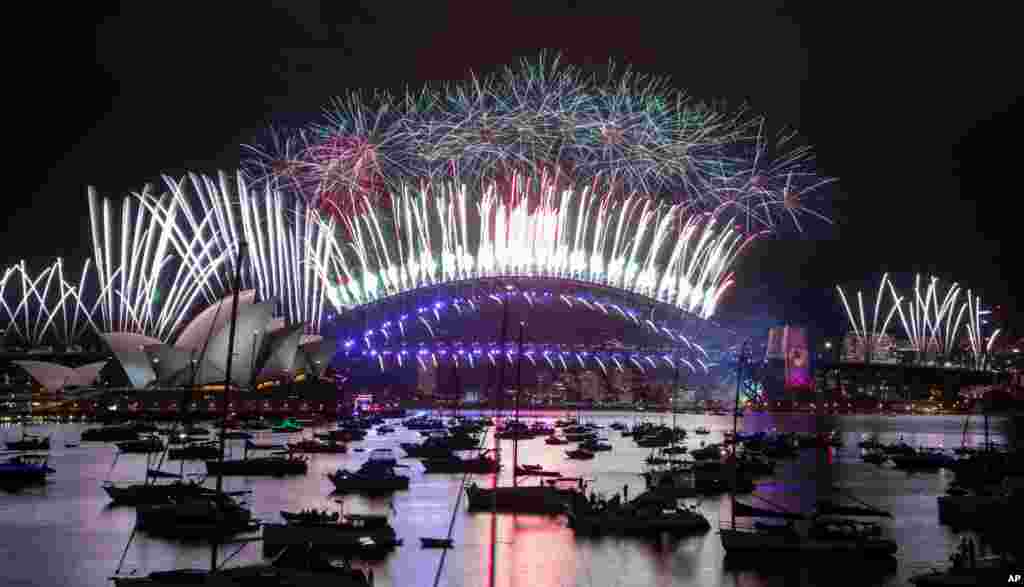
<point>627,133</point>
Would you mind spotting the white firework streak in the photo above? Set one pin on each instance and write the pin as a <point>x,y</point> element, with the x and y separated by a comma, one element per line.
<point>979,346</point>
<point>37,307</point>
<point>536,230</point>
<point>869,334</point>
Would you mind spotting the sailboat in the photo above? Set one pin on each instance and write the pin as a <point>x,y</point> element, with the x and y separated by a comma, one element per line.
<point>551,497</point>
<point>830,530</point>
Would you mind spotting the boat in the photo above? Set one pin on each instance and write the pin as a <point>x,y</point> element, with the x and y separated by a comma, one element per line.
<point>554,497</point>
<point>676,480</point>
<point>711,451</point>
<point>383,456</point>
<point>923,459</point>
<point>649,514</point>
<point>341,435</point>
<point>194,452</point>
<point>370,478</point>
<point>595,445</point>
<point>110,434</point>
<point>535,471</point>
<point>151,493</point>
<point>149,444</point>
<point>316,446</point>
<point>674,450</point>
<point>871,442</point>
<point>875,457</point>
<point>437,542</point>
<point>363,535</point>
<point>555,440</point>
<point>455,464</point>
<point>277,466</point>
<point>237,435</point>
<point>432,447</point>
<point>300,567</point>
<point>385,429</point>
<point>985,571</point>
<point>29,442</point>
<point>288,425</point>
<point>701,430</point>
<point>25,469</point>
<point>580,454</point>
<point>208,516</point>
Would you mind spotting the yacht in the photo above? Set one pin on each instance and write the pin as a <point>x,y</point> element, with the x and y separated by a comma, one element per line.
<point>648,515</point>
<point>368,536</point>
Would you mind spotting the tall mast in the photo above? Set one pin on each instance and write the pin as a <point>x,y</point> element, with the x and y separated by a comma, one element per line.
<point>740,360</point>
<point>236,286</point>
<point>519,389</point>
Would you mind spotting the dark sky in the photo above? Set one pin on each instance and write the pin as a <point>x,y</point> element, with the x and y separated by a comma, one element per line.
<point>917,112</point>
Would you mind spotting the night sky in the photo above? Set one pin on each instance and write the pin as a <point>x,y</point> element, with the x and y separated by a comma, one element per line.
<point>917,113</point>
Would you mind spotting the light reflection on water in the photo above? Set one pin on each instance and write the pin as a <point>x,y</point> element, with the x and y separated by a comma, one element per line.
<point>65,533</point>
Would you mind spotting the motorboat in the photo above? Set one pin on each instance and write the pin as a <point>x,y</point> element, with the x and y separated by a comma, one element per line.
<point>341,435</point>
<point>923,459</point>
<point>676,480</point>
<point>25,469</point>
<point>362,535</point>
<point>985,571</point>
<point>648,515</point>
<point>701,430</point>
<point>277,466</point>
<point>580,454</point>
<point>147,445</point>
<point>535,471</point>
<point>553,497</point>
<point>29,442</point>
<point>309,445</point>
<point>832,529</point>
<point>194,452</point>
<point>299,567</point>
<point>875,457</point>
<point>110,434</point>
<point>711,451</point>
<point>595,445</point>
<point>203,517</point>
<point>455,464</point>
<point>555,440</point>
<point>151,493</point>
<point>370,478</point>
<point>437,542</point>
<point>382,456</point>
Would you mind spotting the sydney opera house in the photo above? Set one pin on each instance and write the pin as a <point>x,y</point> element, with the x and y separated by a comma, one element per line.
<point>268,355</point>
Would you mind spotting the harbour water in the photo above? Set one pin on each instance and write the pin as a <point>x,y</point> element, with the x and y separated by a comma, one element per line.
<point>66,533</point>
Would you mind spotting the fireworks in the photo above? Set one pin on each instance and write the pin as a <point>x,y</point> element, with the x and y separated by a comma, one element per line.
<point>438,234</point>
<point>44,307</point>
<point>871,334</point>
<point>175,251</point>
<point>628,134</point>
<point>932,320</point>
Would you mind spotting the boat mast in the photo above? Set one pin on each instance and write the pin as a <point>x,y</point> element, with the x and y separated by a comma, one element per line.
<point>740,360</point>
<point>519,389</point>
<point>672,402</point>
<point>236,286</point>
